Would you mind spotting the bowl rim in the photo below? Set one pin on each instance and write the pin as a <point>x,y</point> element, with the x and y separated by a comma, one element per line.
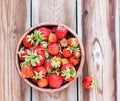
<point>79,68</point>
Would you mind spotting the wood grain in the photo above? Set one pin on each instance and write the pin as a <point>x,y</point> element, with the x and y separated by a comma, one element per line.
<point>12,24</point>
<point>60,11</point>
<point>99,38</point>
<point>79,31</point>
<point>97,24</point>
<point>118,47</point>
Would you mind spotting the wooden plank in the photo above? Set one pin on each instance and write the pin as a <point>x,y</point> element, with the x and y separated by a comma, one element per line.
<point>79,31</point>
<point>60,11</point>
<point>99,38</point>
<point>13,15</point>
<point>118,48</point>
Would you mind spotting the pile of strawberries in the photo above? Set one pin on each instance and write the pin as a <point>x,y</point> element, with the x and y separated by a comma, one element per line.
<point>48,57</point>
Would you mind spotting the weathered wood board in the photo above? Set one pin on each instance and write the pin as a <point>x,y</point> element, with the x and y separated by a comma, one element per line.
<point>97,24</point>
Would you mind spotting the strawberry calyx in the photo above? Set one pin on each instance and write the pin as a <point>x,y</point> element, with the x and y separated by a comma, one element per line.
<point>93,84</point>
<point>33,58</point>
<point>55,62</point>
<point>44,44</point>
<point>38,75</point>
<point>70,48</point>
<point>21,51</point>
<point>24,64</point>
<point>46,54</point>
<point>30,38</point>
<point>57,71</point>
<point>69,73</point>
<point>63,42</point>
<point>38,36</point>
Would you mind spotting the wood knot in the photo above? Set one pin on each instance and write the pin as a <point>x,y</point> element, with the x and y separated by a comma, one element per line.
<point>15,31</point>
<point>97,53</point>
<point>85,12</point>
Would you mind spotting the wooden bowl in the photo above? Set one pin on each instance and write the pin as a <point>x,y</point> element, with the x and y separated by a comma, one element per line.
<point>49,25</point>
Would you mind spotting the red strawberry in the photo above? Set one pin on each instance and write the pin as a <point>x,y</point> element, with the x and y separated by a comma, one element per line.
<point>67,52</point>
<point>55,80</point>
<point>40,56</point>
<point>45,31</point>
<point>68,72</point>
<point>63,42</point>
<point>73,42</point>
<point>53,49</point>
<point>40,72</point>
<point>27,71</point>
<point>43,45</point>
<point>73,61</point>
<point>88,82</point>
<point>42,82</point>
<point>52,38</point>
<point>47,65</point>
<point>40,51</point>
<point>55,62</point>
<point>38,37</point>
<point>22,53</point>
<point>76,54</point>
<point>28,41</point>
<point>61,32</point>
<point>64,61</point>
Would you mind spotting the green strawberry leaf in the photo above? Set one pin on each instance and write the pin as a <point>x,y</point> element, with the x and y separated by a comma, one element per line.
<point>73,72</point>
<point>38,36</point>
<point>28,52</point>
<point>69,72</point>
<point>33,62</point>
<point>38,75</point>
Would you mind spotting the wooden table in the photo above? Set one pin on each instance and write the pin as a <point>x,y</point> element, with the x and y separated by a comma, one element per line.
<point>95,21</point>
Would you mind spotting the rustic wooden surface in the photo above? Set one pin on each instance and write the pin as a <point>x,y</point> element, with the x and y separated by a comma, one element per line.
<point>97,24</point>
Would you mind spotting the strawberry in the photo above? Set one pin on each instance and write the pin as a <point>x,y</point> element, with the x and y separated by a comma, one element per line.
<point>61,32</point>
<point>63,42</point>
<point>45,31</point>
<point>52,38</point>
<point>47,65</point>
<point>55,81</point>
<point>40,72</point>
<point>43,45</point>
<point>28,41</point>
<point>53,49</point>
<point>22,53</point>
<point>68,72</point>
<point>73,61</point>
<point>38,37</point>
<point>67,52</point>
<point>55,62</point>
<point>41,56</point>
<point>88,82</point>
<point>42,82</point>
<point>35,57</point>
<point>27,70</point>
<point>76,54</point>
<point>64,61</point>
<point>40,51</point>
<point>73,42</point>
